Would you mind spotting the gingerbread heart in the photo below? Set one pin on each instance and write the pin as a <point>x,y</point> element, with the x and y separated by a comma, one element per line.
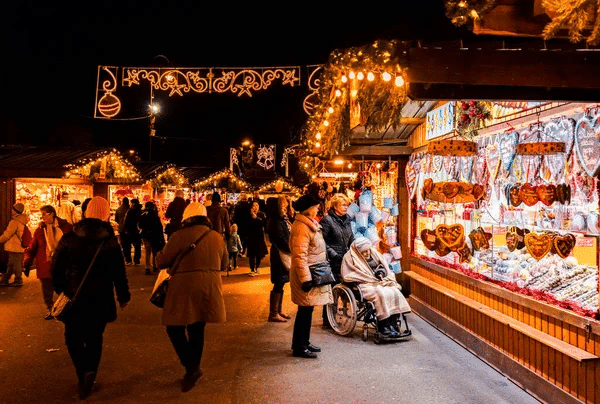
<point>514,195</point>
<point>450,189</point>
<point>478,191</point>
<point>427,187</point>
<point>466,189</point>
<point>442,250</point>
<point>515,238</point>
<point>546,193</point>
<point>563,193</point>
<point>450,236</point>
<point>480,239</point>
<point>563,245</point>
<point>429,239</point>
<point>528,194</point>
<point>538,245</point>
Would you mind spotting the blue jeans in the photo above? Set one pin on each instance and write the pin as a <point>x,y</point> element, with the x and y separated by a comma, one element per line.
<point>13,267</point>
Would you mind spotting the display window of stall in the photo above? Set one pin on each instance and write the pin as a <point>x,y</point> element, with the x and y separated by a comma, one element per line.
<point>518,208</point>
<point>117,192</point>
<point>37,192</point>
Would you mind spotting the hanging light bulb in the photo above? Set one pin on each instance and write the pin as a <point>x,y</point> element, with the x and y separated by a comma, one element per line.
<point>317,145</point>
<point>338,93</point>
<point>399,81</point>
<point>360,75</point>
<point>349,165</point>
<point>386,76</point>
<point>318,136</point>
<point>344,79</point>
<point>351,75</point>
<point>330,110</point>
<point>325,122</point>
<point>370,76</point>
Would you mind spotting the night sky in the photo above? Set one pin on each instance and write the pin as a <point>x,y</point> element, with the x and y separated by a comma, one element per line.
<point>52,50</point>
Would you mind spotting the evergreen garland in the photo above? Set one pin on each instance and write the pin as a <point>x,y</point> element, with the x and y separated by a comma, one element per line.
<point>463,12</point>
<point>577,15</point>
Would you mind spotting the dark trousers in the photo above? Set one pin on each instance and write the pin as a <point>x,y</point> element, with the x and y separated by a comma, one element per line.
<point>233,259</point>
<point>302,324</point>
<point>188,347</point>
<point>84,343</point>
<point>254,261</point>
<point>126,243</point>
<point>278,287</point>
<point>47,292</point>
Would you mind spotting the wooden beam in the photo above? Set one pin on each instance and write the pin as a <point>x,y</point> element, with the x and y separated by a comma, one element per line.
<point>574,69</point>
<point>370,141</point>
<point>376,151</point>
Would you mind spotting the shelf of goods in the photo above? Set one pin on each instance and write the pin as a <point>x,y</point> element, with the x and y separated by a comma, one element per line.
<point>505,251</point>
<point>37,192</point>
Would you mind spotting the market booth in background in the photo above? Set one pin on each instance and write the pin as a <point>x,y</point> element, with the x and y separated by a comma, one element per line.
<point>37,176</point>
<point>504,238</point>
<point>229,185</point>
<point>277,187</point>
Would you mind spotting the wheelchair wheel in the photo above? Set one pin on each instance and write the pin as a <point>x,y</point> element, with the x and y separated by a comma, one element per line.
<point>342,313</point>
<point>365,335</point>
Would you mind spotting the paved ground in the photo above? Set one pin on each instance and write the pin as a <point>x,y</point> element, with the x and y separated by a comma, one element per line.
<point>246,360</point>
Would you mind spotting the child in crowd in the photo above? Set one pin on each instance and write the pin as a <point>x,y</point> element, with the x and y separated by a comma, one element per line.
<point>234,246</point>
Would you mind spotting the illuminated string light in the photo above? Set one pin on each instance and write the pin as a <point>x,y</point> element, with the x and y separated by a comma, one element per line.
<point>318,136</point>
<point>386,76</point>
<point>351,75</point>
<point>370,76</point>
<point>344,79</point>
<point>317,145</point>
<point>325,122</point>
<point>399,81</point>
<point>338,93</point>
<point>360,76</point>
<point>330,110</point>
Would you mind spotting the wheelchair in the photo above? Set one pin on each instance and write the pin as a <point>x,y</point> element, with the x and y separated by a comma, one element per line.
<point>349,307</point>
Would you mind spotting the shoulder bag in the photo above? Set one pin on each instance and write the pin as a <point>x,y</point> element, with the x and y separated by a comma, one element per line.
<point>321,274</point>
<point>159,293</point>
<point>63,305</point>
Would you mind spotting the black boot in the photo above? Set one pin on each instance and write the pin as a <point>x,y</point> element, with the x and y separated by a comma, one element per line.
<point>383,328</point>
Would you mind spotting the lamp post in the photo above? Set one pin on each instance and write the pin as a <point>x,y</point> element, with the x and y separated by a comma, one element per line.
<point>153,108</point>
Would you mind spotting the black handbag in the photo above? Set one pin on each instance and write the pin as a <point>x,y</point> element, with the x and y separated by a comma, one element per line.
<point>63,306</point>
<point>159,294</point>
<point>321,274</point>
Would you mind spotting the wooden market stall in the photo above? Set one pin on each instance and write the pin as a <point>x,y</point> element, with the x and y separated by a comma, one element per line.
<point>504,239</point>
<point>224,181</point>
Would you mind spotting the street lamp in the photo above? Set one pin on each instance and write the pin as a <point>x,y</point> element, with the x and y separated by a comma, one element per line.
<point>153,109</point>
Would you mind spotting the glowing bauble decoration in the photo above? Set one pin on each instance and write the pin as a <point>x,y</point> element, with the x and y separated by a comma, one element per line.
<point>279,186</point>
<point>109,105</point>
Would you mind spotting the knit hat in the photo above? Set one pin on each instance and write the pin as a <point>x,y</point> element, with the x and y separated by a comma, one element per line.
<point>216,197</point>
<point>98,208</point>
<point>194,209</point>
<point>18,207</point>
<point>305,202</point>
<point>362,244</point>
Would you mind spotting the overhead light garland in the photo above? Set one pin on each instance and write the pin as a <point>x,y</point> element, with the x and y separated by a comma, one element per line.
<point>106,165</point>
<point>279,185</point>
<point>368,80</point>
<point>212,180</point>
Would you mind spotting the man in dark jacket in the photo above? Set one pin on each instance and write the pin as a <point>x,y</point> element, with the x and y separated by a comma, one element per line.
<point>120,217</point>
<point>95,304</point>
<point>131,233</point>
<point>241,217</point>
<point>218,216</point>
<point>175,213</point>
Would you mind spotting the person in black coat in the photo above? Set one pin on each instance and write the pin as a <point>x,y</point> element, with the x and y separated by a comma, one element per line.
<point>152,234</point>
<point>256,244</point>
<point>131,233</point>
<point>278,230</point>
<point>338,236</point>
<point>95,304</point>
<point>175,213</point>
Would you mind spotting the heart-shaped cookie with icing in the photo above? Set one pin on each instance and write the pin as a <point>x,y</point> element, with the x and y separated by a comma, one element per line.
<point>563,245</point>
<point>546,193</point>
<point>528,194</point>
<point>450,189</point>
<point>538,245</point>
<point>480,239</point>
<point>450,236</point>
<point>515,238</point>
<point>514,195</point>
<point>563,193</point>
<point>429,239</point>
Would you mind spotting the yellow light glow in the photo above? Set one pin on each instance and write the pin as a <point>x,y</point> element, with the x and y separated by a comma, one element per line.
<point>344,79</point>
<point>305,165</point>
<point>318,136</point>
<point>325,122</point>
<point>399,81</point>
<point>462,4</point>
<point>330,110</point>
<point>360,75</point>
<point>378,165</point>
<point>338,162</point>
<point>246,143</point>
<point>154,108</point>
<point>386,76</point>
<point>349,165</point>
<point>317,145</point>
<point>354,93</point>
<point>338,93</point>
<point>370,76</point>
<point>351,75</point>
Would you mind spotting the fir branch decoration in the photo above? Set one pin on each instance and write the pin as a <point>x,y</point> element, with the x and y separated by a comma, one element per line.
<point>577,16</point>
<point>463,12</point>
<point>328,127</point>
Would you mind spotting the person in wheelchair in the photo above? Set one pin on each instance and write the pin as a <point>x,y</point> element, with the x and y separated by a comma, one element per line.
<point>364,266</point>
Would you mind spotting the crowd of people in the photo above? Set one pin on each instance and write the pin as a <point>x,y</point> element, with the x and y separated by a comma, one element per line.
<point>84,258</point>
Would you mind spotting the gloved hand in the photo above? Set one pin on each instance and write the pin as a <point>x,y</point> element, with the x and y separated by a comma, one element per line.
<point>380,273</point>
<point>306,286</point>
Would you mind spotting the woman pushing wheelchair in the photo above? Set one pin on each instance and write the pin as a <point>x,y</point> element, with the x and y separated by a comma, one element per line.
<point>364,266</point>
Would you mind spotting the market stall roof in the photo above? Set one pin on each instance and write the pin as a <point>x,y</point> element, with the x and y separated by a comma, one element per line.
<point>44,161</point>
<point>194,174</point>
<point>161,174</point>
<point>278,186</point>
<point>222,179</point>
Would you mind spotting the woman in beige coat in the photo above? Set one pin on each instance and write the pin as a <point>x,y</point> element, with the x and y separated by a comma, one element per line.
<point>195,295</point>
<point>308,248</point>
